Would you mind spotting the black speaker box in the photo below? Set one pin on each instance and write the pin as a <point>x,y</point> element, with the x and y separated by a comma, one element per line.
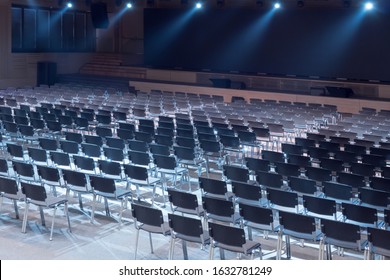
<point>99,15</point>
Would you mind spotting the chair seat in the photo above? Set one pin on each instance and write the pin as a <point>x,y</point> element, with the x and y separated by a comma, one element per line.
<point>164,229</point>
<point>18,196</point>
<point>119,193</point>
<point>199,211</point>
<point>50,201</point>
<point>177,170</point>
<point>195,239</point>
<point>346,244</point>
<point>246,248</point>
<point>151,181</point>
<point>236,217</point>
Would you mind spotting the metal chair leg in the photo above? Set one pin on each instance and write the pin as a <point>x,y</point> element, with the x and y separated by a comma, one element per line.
<point>24,224</point>
<point>136,244</point>
<point>52,223</point>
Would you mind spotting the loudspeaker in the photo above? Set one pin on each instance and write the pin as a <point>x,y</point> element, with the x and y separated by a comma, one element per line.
<point>46,73</point>
<point>99,15</point>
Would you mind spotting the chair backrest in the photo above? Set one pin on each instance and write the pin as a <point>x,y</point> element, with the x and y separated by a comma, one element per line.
<point>292,149</point>
<point>363,169</point>
<point>255,164</point>
<point>136,172</point>
<point>102,184</point>
<point>235,173</point>
<point>319,206</point>
<point>379,183</point>
<point>356,149</point>
<point>379,241</point>
<point>246,191</point>
<point>184,153</point>
<point>48,144</point>
<point>302,185</point>
<point>218,207</point>
<point>125,134</point>
<point>75,178</point>
<point>4,166</point>
<point>268,179</point>
<point>165,162</point>
<point>103,131</point>
<point>227,235</point>
<point>374,198</point>
<point>212,186</point>
<point>304,142</point>
<point>210,146</point>
<point>338,232</point>
<point>272,156</point>
<point>139,158</point>
<point>354,180</point>
<point>147,215</point>
<point>8,186</point>
<point>256,214</point>
<point>91,150</point>
<point>23,169</point>
<point>109,167</point>
<point>48,173</point>
<point>26,130</point>
<point>69,147</point>
<point>335,165</point>
<point>296,223</point>
<point>60,158</point>
<point>94,139</point>
<point>281,198</point>
<point>113,154</point>
<point>360,215</point>
<point>139,146</point>
<point>85,163</point>
<point>337,191</point>
<point>302,161</point>
<point>158,149</point>
<point>287,169</point>
<point>185,225</point>
<point>33,192</point>
<point>15,150</point>
<point>318,174</point>
<point>183,199</point>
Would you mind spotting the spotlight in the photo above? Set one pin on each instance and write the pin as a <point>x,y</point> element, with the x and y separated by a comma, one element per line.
<point>129,5</point>
<point>277,5</point>
<point>300,4</point>
<point>198,5</point>
<point>69,5</point>
<point>368,6</point>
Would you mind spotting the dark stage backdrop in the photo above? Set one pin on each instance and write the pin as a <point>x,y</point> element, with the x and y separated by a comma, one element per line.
<point>326,43</point>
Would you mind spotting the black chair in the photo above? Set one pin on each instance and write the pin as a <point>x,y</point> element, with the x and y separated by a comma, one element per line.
<point>269,179</point>
<point>114,154</point>
<point>302,185</point>
<point>105,187</point>
<point>374,198</point>
<point>139,146</point>
<point>167,167</point>
<point>338,191</point>
<point>362,216</point>
<point>320,207</point>
<point>376,160</point>
<point>340,234</point>
<point>84,164</point>
<point>187,157</point>
<point>23,171</point>
<point>157,149</point>
<point>125,134</point>
<point>38,125</point>
<point>299,160</point>
<point>282,200</point>
<point>60,159</point>
<point>15,151</point>
<point>147,137</point>
<point>235,173</point>
<point>140,158</point>
<point>221,210</point>
<point>231,239</point>
<point>355,149</point>
<point>74,136</point>
<point>287,169</point>
<point>304,142</point>
<point>77,182</point>
<point>9,189</point>
<point>150,220</point>
<point>255,164</point>
<point>330,146</point>
<point>185,142</point>
<point>185,202</point>
<point>294,149</point>
<point>103,131</point>
<point>188,230</point>
<point>48,144</point>
<point>4,168</point>
<point>36,194</point>
<point>317,153</point>
<point>116,143</point>
<point>186,133</point>
<point>318,174</point>
<point>378,243</point>
<point>139,177</point>
<point>69,147</point>
<point>354,180</point>
<point>334,165</point>
<point>111,169</point>
<point>247,193</point>
<point>380,184</point>
<point>363,169</point>
<point>27,132</point>
<point>256,217</point>
<point>91,150</point>
<point>297,226</point>
<point>94,139</point>
<point>272,156</point>
<point>164,140</point>
<point>50,176</point>
<point>214,188</point>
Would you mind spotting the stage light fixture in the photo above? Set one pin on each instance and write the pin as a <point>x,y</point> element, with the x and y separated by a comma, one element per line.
<point>129,5</point>
<point>277,5</point>
<point>69,5</point>
<point>368,6</point>
<point>198,5</point>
